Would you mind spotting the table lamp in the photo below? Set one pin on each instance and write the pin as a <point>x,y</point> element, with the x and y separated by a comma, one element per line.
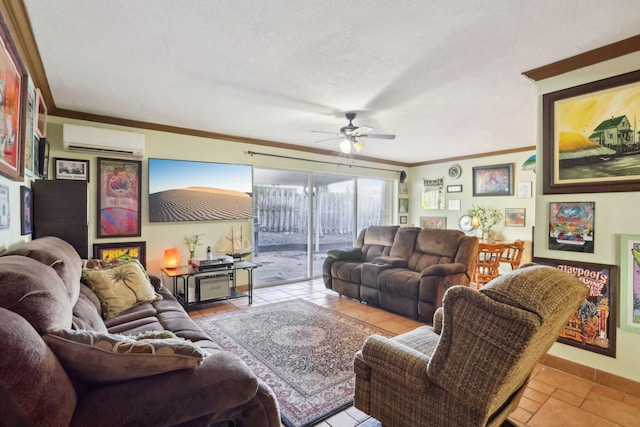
<point>171,257</point>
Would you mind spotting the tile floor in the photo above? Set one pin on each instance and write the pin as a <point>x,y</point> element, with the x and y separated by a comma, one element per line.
<point>553,397</point>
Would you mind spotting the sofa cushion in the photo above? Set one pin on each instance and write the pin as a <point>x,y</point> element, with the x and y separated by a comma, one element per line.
<point>120,286</point>
<point>443,243</point>
<point>86,315</point>
<point>58,254</point>
<point>377,241</point>
<point>34,291</point>
<point>34,388</point>
<point>103,357</point>
<point>404,242</point>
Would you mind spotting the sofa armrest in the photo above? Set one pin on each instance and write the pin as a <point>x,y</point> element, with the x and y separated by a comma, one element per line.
<point>156,282</point>
<point>345,254</point>
<point>437,320</point>
<point>396,359</point>
<point>221,382</point>
<point>392,261</point>
<point>444,269</point>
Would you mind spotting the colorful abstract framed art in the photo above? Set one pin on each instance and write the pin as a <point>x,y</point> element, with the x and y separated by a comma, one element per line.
<point>119,195</point>
<point>630,282</point>
<point>13,94</point>
<point>593,325</point>
<point>495,180</point>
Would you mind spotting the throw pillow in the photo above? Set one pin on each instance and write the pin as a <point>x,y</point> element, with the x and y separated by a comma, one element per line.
<point>120,286</point>
<point>103,357</point>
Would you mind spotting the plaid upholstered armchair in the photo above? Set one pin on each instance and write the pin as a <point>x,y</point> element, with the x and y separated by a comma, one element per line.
<point>472,366</point>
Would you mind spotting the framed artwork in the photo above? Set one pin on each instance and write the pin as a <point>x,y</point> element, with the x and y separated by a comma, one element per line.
<point>403,205</point>
<point>593,325</point>
<point>119,193</point>
<point>135,250</point>
<point>42,158</point>
<point>403,187</point>
<point>586,128</point>
<point>5,211</point>
<point>496,180</point>
<point>433,222</point>
<point>30,138</point>
<point>403,219</point>
<point>73,169</point>
<point>454,204</point>
<point>26,210</point>
<point>433,193</point>
<point>454,188</point>
<point>514,217</point>
<point>630,282</point>
<point>13,95</point>
<point>571,226</point>
<point>40,122</point>
<point>524,189</point>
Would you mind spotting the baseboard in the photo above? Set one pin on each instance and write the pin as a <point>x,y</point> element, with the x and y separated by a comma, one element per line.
<point>606,379</point>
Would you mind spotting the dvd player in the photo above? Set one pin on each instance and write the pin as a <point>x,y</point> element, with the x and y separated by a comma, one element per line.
<point>212,264</point>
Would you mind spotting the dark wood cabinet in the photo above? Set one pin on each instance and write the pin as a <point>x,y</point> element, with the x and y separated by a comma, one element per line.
<point>60,209</point>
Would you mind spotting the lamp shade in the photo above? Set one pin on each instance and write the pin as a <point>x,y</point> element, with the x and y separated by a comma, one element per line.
<point>475,221</point>
<point>171,257</point>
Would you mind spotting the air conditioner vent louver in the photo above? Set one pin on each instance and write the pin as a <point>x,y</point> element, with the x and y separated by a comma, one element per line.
<point>102,141</point>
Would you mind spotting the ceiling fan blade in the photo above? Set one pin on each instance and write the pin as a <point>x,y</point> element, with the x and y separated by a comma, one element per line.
<point>379,136</point>
<point>361,130</point>
<point>323,131</point>
<point>327,139</point>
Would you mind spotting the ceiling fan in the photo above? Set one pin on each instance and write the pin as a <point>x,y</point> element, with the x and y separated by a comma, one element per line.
<point>351,135</point>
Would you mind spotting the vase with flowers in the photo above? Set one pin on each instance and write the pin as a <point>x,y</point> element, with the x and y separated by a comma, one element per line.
<point>192,241</point>
<point>485,218</point>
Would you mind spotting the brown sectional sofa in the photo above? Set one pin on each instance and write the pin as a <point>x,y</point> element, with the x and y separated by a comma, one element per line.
<point>404,270</point>
<point>41,290</point>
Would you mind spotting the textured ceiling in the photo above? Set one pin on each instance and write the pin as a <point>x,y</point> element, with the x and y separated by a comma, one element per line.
<point>443,75</point>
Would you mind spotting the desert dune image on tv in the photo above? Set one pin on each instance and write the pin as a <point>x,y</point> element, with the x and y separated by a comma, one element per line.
<point>183,190</point>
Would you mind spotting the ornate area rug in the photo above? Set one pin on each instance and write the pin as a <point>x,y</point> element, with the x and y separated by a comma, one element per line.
<point>304,352</point>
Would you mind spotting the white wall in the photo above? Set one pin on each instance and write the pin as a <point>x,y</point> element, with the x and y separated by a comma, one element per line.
<point>439,170</point>
<point>615,214</point>
<point>159,236</point>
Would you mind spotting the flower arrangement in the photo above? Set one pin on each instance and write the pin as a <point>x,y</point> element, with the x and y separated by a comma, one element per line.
<point>192,241</point>
<point>488,217</point>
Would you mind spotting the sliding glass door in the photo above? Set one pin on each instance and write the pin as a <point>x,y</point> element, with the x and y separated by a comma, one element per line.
<point>299,216</point>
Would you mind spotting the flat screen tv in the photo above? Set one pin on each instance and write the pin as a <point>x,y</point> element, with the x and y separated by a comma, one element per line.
<point>184,190</point>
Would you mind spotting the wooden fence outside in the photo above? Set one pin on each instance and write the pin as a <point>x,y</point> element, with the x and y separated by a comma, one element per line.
<point>283,209</point>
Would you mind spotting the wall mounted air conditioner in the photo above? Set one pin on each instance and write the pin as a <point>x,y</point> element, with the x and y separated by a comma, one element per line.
<point>102,141</point>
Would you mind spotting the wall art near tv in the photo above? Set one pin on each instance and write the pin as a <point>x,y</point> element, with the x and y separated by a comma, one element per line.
<point>184,190</point>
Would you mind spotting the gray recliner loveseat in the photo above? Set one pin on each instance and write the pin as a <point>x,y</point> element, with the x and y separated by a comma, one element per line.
<point>404,270</point>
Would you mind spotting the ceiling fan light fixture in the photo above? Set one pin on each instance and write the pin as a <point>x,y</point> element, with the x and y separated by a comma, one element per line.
<point>358,145</point>
<point>345,146</point>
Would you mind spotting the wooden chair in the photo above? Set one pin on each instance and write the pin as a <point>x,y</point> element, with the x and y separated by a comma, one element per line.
<point>513,254</point>
<point>487,263</point>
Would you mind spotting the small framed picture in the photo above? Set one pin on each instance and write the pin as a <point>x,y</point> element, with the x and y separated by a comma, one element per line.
<point>403,205</point>
<point>524,189</point>
<point>26,210</point>
<point>454,188</point>
<point>403,219</point>
<point>5,210</point>
<point>73,169</point>
<point>124,250</point>
<point>433,222</point>
<point>514,217</point>
<point>495,180</point>
<point>454,205</point>
<point>40,118</point>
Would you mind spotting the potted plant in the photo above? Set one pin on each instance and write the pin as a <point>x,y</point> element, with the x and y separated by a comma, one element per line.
<point>488,218</point>
<point>192,241</point>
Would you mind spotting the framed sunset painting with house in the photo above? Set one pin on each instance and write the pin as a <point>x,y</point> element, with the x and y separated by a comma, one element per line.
<point>591,141</point>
